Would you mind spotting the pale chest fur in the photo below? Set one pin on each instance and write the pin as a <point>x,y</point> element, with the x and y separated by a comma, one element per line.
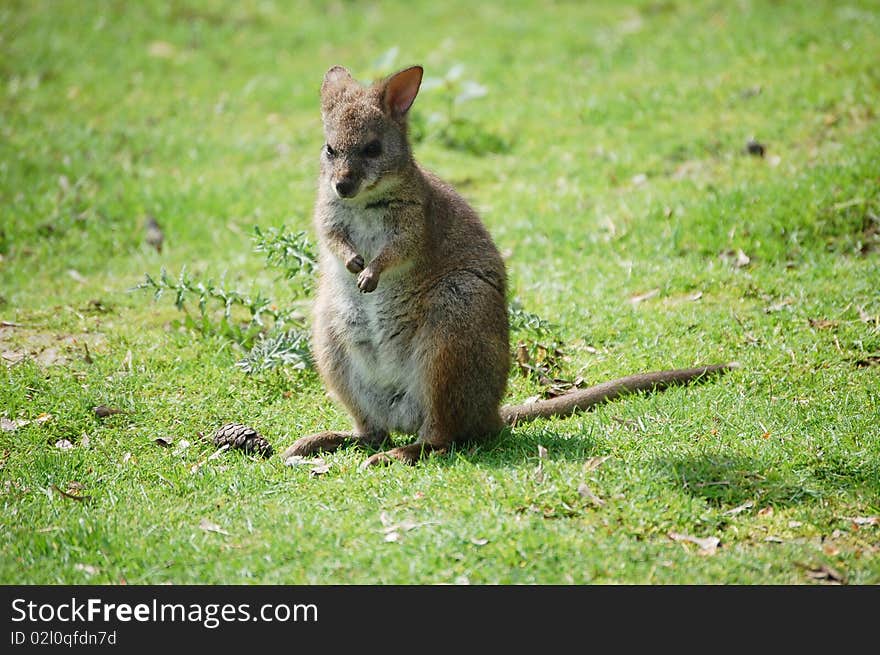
<point>378,331</point>
<point>368,229</point>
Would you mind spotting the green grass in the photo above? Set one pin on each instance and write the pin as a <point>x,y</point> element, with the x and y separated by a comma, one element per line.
<point>607,159</point>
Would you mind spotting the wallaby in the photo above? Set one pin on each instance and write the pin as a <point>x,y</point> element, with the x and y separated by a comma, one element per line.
<point>410,327</point>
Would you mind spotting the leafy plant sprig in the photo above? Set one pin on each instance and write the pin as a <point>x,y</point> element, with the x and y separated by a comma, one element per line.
<point>186,289</point>
<point>288,348</point>
<point>522,320</point>
<point>449,127</point>
<point>455,91</point>
<point>291,252</point>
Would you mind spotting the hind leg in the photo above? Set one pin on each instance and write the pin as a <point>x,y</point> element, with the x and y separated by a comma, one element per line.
<point>325,442</point>
<point>462,406</point>
<point>335,369</point>
<point>466,375</point>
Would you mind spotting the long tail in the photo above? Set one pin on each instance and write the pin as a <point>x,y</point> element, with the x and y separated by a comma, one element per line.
<point>584,399</point>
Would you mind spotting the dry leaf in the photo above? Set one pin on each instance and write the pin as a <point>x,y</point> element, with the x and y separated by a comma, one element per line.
<point>864,316</point>
<point>737,258</point>
<point>765,511</point>
<point>102,411</point>
<point>299,460</point>
<point>823,572</point>
<point>70,495</point>
<point>88,569</point>
<point>408,524</point>
<point>775,307</point>
<point>740,508</point>
<point>161,50</point>
<point>8,425</point>
<point>319,469</point>
<point>165,442</point>
<point>153,233</point>
<point>198,465</point>
<point>640,297</point>
<point>822,324</point>
<point>707,545</point>
<point>559,386</point>
<point>595,462</point>
<point>522,357</point>
<point>585,492</point>
<point>393,531</point>
<point>63,444</point>
<point>864,520</point>
<point>541,353</point>
<point>13,356</point>
<point>208,526</point>
<point>539,470</point>
<point>50,356</point>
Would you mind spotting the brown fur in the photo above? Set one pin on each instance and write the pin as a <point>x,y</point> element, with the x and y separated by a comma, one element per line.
<point>410,329</point>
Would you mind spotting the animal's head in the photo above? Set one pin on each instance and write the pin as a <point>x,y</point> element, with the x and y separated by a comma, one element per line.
<point>366,144</point>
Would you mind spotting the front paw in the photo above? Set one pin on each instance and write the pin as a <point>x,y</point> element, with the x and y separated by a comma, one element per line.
<point>355,264</point>
<point>368,280</point>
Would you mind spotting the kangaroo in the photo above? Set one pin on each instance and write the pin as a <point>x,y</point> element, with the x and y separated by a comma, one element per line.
<point>410,325</point>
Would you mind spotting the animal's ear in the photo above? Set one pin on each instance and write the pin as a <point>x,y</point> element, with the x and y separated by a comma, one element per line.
<point>334,78</point>
<point>401,90</point>
<point>336,81</point>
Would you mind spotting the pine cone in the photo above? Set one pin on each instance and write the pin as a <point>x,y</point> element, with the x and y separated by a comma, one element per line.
<point>244,438</point>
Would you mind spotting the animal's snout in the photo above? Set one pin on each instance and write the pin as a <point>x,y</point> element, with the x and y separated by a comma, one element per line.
<point>346,187</point>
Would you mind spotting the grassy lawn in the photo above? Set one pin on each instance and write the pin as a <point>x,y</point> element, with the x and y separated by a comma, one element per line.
<point>608,158</point>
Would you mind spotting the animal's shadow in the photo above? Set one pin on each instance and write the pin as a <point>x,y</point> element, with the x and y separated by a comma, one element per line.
<point>509,449</point>
<point>722,480</point>
<point>734,480</point>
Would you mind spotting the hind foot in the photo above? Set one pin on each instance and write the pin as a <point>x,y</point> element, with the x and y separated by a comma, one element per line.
<point>410,454</point>
<point>326,442</point>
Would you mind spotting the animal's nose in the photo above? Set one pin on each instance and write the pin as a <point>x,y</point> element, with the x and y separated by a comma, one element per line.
<point>346,187</point>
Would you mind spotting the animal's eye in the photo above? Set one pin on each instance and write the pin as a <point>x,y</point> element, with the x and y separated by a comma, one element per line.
<point>330,151</point>
<point>372,149</point>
